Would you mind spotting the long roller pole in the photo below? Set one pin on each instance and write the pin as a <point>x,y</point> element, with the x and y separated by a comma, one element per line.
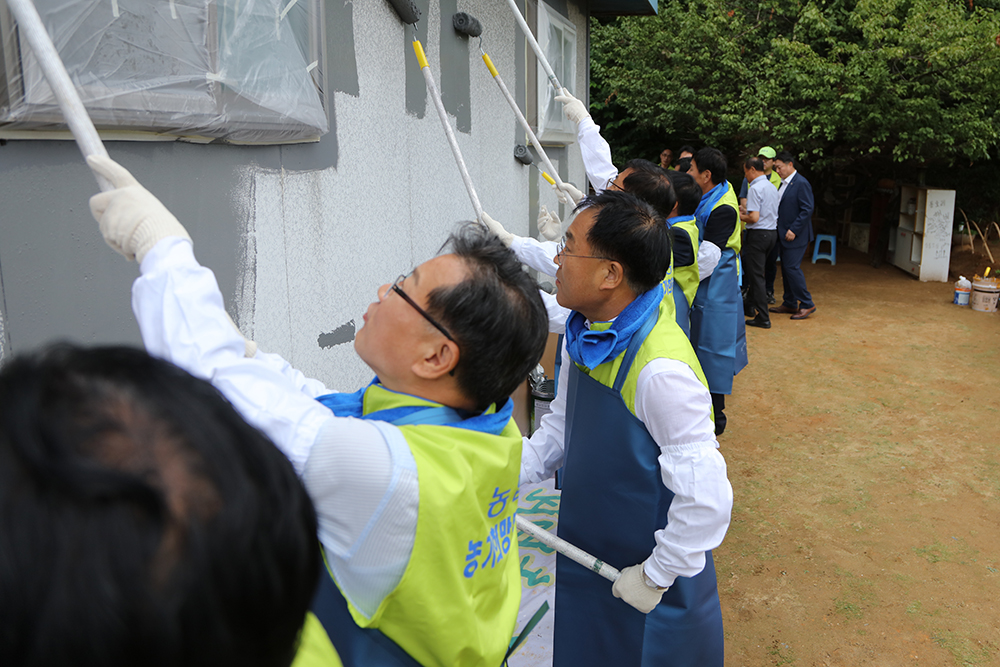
<point>33,32</point>
<point>534,46</point>
<point>554,178</point>
<point>439,105</point>
<point>567,549</point>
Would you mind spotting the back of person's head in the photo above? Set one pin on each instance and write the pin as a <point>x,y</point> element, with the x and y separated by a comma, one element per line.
<point>142,520</point>
<point>786,157</point>
<point>650,183</point>
<point>712,159</point>
<point>496,316</point>
<point>631,232</point>
<point>686,149</point>
<point>688,192</point>
<point>753,162</point>
<point>684,165</point>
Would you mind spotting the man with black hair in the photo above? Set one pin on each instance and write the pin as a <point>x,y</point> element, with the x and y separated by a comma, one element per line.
<point>717,330</point>
<point>686,152</point>
<point>644,487</point>
<point>766,154</point>
<point>640,177</point>
<point>692,261</point>
<point>667,159</point>
<point>144,522</point>
<point>415,474</point>
<point>760,214</point>
<point>795,232</point>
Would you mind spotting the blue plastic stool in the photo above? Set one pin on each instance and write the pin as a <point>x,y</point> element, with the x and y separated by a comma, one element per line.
<point>832,255</point>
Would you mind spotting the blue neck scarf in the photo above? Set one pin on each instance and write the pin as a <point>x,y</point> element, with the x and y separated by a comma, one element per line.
<point>352,405</point>
<point>679,219</point>
<point>593,348</point>
<point>708,201</point>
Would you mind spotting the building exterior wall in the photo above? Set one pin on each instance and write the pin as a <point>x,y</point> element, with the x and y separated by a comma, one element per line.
<point>299,236</point>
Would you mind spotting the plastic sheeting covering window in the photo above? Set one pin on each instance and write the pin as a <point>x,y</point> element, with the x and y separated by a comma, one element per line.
<point>244,71</point>
<point>557,39</point>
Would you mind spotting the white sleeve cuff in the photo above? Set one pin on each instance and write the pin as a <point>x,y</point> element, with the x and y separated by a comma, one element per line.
<point>539,255</point>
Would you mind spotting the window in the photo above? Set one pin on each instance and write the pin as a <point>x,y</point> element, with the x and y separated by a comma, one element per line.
<point>557,39</point>
<point>238,70</point>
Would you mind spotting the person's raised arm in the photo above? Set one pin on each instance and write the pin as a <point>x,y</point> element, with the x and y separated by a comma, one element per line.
<point>593,147</point>
<point>180,313</point>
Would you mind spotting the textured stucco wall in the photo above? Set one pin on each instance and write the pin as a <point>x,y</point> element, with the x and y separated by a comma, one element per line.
<point>300,237</point>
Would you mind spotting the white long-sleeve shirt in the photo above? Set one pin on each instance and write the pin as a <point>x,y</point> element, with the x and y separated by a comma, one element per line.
<point>675,407</point>
<point>351,467</point>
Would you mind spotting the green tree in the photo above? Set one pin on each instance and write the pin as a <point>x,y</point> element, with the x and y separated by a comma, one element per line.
<point>879,87</point>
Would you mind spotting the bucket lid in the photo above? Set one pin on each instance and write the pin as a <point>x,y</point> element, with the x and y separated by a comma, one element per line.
<point>988,283</point>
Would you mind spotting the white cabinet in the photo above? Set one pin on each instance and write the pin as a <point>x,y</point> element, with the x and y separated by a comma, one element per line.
<point>923,238</point>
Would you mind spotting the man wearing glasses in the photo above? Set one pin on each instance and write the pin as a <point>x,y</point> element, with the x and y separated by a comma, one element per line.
<point>644,487</point>
<point>415,474</point>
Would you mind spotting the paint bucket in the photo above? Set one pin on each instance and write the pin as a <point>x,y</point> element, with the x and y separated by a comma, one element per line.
<point>984,294</point>
<point>962,290</point>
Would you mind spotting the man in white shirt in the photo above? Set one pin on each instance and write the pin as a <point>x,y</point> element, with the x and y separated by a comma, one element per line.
<point>644,485</point>
<point>760,216</point>
<point>429,443</point>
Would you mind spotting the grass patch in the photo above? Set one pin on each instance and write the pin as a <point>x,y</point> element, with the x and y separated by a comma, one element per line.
<point>856,594</point>
<point>964,650</point>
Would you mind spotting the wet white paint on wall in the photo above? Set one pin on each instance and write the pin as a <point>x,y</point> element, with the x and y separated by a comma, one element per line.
<point>318,244</point>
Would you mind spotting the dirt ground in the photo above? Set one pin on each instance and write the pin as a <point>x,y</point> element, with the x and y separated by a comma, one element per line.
<point>864,455</point>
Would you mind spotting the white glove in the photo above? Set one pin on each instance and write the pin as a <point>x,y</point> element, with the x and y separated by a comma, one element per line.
<point>633,589</point>
<point>549,225</point>
<point>132,220</point>
<point>249,346</point>
<point>568,193</point>
<point>573,108</point>
<point>506,237</point>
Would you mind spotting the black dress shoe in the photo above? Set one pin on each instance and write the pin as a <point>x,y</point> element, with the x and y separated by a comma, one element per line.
<point>770,298</point>
<point>759,322</point>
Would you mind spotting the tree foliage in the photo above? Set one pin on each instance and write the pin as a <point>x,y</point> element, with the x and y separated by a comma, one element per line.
<point>883,87</point>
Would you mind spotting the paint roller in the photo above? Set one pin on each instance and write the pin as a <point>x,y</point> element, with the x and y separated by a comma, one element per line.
<point>33,32</point>
<point>566,549</point>
<point>523,155</point>
<point>554,178</point>
<point>408,13</point>
<point>466,24</point>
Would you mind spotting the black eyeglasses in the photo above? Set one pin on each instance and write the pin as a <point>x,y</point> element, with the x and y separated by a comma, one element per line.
<point>611,184</point>
<point>561,252</point>
<point>399,290</point>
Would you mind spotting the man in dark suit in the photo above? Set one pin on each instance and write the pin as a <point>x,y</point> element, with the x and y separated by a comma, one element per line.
<point>795,208</point>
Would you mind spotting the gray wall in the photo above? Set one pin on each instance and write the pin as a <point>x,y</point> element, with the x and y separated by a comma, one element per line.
<point>301,236</point>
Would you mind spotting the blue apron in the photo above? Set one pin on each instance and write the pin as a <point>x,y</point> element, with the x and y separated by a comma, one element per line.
<point>681,308</point>
<point>357,646</point>
<point>718,330</point>
<point>613,501</point>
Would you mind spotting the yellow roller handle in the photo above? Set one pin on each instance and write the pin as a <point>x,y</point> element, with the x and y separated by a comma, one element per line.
<point>489,66</point>
<point>419,50</point>
<point>548,178</point>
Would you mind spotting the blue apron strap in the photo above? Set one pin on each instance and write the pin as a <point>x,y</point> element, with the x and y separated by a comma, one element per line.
<point>633,349</point>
